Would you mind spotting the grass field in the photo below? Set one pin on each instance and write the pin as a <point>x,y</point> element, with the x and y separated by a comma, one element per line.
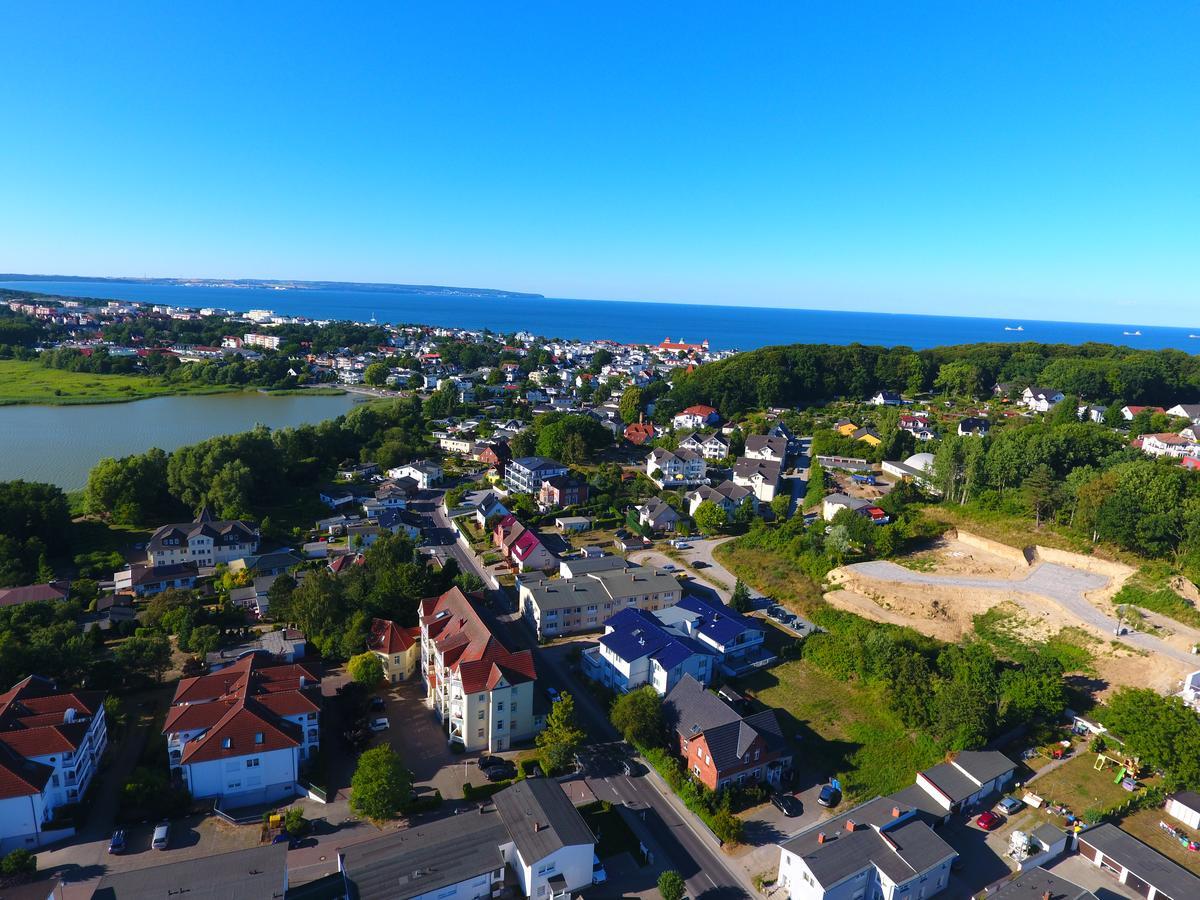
<point>845,729</point>
<point>31,382</point>
<point>1143,825</point>
<point>1077,785</point>
<point>771,574</point>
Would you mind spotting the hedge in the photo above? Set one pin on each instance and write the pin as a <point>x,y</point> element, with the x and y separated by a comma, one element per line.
<point>712,808</point>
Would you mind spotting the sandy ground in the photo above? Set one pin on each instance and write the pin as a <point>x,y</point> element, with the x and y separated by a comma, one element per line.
<point>946,612</point>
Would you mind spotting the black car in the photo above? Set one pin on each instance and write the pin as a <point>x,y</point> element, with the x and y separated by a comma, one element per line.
<point>500,773</point>
<point>829,796</point>
<point>487,762</point>
<point>786,804</point>
<point>699,564</point>
<point>377,703</point>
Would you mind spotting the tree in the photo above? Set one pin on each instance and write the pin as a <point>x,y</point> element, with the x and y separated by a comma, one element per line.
<point>381,785</point>
<point>671,886</point>
<point>366,669</point>
<point>1040,489</point>
<point>148,652</point>
<point>740,600</point>
<point>562,736</point>
<point>958,379</point>
<point>780,505</point>
<point>631,405</point>
<point>18,862</point>
<point>709,517</point>
<point>1163,731</point>
<point>376,374</point>
<point>638,716</point>
<point>204,639</point>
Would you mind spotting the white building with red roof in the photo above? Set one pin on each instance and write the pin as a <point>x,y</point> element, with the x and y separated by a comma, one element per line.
<point>51,742</point>
<point>398,648</point>
<point>241,734</point>
<point>697,416</point>
<point>483,691</point>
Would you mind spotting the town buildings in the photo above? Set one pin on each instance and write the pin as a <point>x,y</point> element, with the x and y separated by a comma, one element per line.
<point>398,648</point>
<point>241,734</point>
<point>521,546</point>
<point>559,606</point>
<point>636,649</point>
<point>698,416</point>
<point>526,474</point>
<point>204,542</point>
<point>481,691</point>
<point>51,743</point>
<point>677,468</point>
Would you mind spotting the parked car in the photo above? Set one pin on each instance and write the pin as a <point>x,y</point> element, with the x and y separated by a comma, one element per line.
<point>786,804</point>
<point>162,836</point>
<point>599,876</point>
<point>116,844</point>
<point>989,820</point>
<point>699,564</point>
<point>380,724</point>
<point>1009,805</point>
<point>552,693</point>
<point>829,796</point>
<point>377,703</point>
<point>668,567</point>
<point>499,773</point>
<point>487,762</point>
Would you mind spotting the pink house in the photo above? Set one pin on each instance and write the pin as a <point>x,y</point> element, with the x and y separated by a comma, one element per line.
<point>521,546</point>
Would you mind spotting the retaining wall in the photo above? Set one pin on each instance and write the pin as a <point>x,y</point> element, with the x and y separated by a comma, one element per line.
<point>987,545</point>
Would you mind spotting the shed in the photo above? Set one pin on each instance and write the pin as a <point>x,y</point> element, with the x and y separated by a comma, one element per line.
<point>1185,806</point>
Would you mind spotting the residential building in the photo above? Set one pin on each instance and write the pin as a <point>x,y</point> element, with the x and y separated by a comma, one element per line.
<point>678,468</point>
<point>658,515</point>
<point>1176,446</point>
<point>426,473</point>
<point>240,735</point>
<point>738,641</point>
<point>522,547</point>
<point>974,426</point>
<point>530,841</point>
<point>568,605</point>
<point>562,490</point>
<point>639,433</point>
<point>205,542</point>
<point>729,495</point>
<point>482,691</point>
<point>145,581</point>
<point>771,447</point>
<point>488,505</point>
<point>720,747</point>
<point>636,650</point>
<point>349,471</point>
<point>1038,884</point>
<point>526,474</point>
<point>51,743</point>
<point>868,436</point>
<point>254,339</point>
<point>252,874</point>
<point>1129,412</point>
<point>1041,399</point>
<point>762,476</point>
<point>398,648</point>
<point>694,417</point>
<point>34,593</point>
<point>710,446</point>
<point>968,778</point>
<point>886,398</point>
<point>1141,869</point>
<point>496,455</point>
<point>568,524</point>
<point>918,425</point>
<point>1189,411</point>
<point>284,646</point>
<point>881,849</point>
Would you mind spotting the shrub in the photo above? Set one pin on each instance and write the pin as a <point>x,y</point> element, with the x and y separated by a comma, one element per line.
<point>18,862</point>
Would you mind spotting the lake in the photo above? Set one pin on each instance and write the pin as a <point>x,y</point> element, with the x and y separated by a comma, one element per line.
<point>60,444</point>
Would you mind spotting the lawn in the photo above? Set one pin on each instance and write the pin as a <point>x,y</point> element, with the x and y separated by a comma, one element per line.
<point>1143,825</point>
<point>845,729</point>
<point>31,382</point>
<point>772,574</point>
<point>1078,786</point>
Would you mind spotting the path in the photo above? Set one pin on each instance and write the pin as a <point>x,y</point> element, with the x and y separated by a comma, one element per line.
<point>1063,585</point>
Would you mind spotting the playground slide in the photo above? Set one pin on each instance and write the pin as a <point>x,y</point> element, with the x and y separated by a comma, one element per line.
<point>1120,775</point>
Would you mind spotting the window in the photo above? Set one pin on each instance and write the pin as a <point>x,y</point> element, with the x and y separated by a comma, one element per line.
<point>479,733</point>
<point>258,737</point>
<point>252,763</point>
<point>500,706</point>
<point>480,715</point>
<point>226,743</point>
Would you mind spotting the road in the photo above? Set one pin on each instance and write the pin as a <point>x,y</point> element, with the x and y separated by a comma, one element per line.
<point>696,856</point>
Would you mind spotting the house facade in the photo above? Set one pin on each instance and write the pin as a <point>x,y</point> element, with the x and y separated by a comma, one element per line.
<point>205,542</point>
<point>728,495</point>
<point>771,447</point>
<point>562,490</point>
<point>522,546</point>
<point>51,743</point>
<point>637,650</point>
<point>482,692</point>
<point>398,648</point>
<point>526,474</point>
<point>570,605</point>
<point>762,476</point>
<point>426,473</point>
<point>241,734</point>
<point>678,468</point>
<point>694,417</point>
<point>710,446</point>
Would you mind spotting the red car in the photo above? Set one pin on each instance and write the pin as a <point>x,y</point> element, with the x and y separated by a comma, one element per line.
<point>989,820</point>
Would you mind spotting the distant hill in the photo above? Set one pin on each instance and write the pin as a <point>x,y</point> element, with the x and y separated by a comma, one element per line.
<point>267,284</point>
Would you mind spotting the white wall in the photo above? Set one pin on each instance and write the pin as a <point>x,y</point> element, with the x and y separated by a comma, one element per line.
<point>19,821</point>
<point>227,777</point>
<point>573,863</point>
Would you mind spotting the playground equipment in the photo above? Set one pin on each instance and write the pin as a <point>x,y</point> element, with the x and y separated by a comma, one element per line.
<point>1129,766</point>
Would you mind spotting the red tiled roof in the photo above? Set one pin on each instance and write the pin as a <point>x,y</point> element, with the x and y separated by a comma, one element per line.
<point>245,728</point>
<point>388,637</point>
<point>700,410</point>
<point>467,645</point>
<point>33,722</point>
<point>33,593</point>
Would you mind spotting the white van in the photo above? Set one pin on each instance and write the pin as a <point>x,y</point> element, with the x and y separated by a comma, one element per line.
<point>162,834</point>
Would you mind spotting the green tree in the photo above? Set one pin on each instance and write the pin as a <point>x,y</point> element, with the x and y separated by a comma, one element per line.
<point>380,785</point>
<point>204,639</point>
<point>376,374</point>
<point>631,404</point>
<point>148,652</point>
<point>709,517</point>
<point>780,505</point>
<point>1163,731</point>
<point>1040,491</point>
<point>671,886</point>
<point>959,379</point>
<point>18,862</point>
<point>561,737</point>
<point>740,599</point>
<point>638,716</point>
<point>366,669</point>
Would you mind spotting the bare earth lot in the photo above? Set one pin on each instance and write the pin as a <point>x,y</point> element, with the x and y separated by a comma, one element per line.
<point>940,591</point>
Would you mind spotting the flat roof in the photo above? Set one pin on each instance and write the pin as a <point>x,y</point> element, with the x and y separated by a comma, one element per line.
<point>259,873</point>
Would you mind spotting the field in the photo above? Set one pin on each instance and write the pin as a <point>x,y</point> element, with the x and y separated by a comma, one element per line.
<point>31,382</point>
<point>1077,785</point>
<point>844,729</point>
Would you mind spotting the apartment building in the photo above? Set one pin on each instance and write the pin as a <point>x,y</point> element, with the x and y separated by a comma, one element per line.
<point>205,542</point>
<point>584,603</point>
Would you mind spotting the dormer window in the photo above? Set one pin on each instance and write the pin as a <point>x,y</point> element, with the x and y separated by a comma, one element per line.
<point>258,737</point>
<point>226,743</point>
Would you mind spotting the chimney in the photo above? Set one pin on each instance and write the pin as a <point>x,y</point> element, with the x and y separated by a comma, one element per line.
<point>850,826</point>
<point>537,826</point>
<point>895,812</point>
<point>1046,896</point>
<point>820,837</point>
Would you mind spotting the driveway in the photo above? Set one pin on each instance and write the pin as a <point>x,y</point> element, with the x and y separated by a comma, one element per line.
<point>1060,584</point>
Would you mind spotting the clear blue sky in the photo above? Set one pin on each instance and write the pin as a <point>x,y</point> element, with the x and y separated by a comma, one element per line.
<point>1014,159</point>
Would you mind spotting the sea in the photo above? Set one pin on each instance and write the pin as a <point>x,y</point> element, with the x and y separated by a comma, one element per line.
<point>724,327</point>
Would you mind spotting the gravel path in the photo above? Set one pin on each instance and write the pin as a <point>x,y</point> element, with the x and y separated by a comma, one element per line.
<point>1061,584</point>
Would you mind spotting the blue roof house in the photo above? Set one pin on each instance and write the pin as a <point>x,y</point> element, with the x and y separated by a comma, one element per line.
<point>637,650</point>
<point>738,641</point>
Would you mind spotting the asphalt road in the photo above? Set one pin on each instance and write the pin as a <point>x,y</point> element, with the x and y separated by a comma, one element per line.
<point>704,870</point>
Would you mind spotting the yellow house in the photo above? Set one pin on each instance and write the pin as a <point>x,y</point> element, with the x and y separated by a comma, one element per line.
<point>868,436</point>
<point>397,647</point>
<point>846,428</point>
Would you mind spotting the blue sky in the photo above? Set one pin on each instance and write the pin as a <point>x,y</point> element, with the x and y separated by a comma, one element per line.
<point>1012,159</point>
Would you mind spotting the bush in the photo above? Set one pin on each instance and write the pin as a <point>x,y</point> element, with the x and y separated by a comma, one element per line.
<point>294,822</point>
<point>18,862</point>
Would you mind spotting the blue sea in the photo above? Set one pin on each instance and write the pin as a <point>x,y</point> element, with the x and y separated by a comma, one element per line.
<point>632,322</point>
